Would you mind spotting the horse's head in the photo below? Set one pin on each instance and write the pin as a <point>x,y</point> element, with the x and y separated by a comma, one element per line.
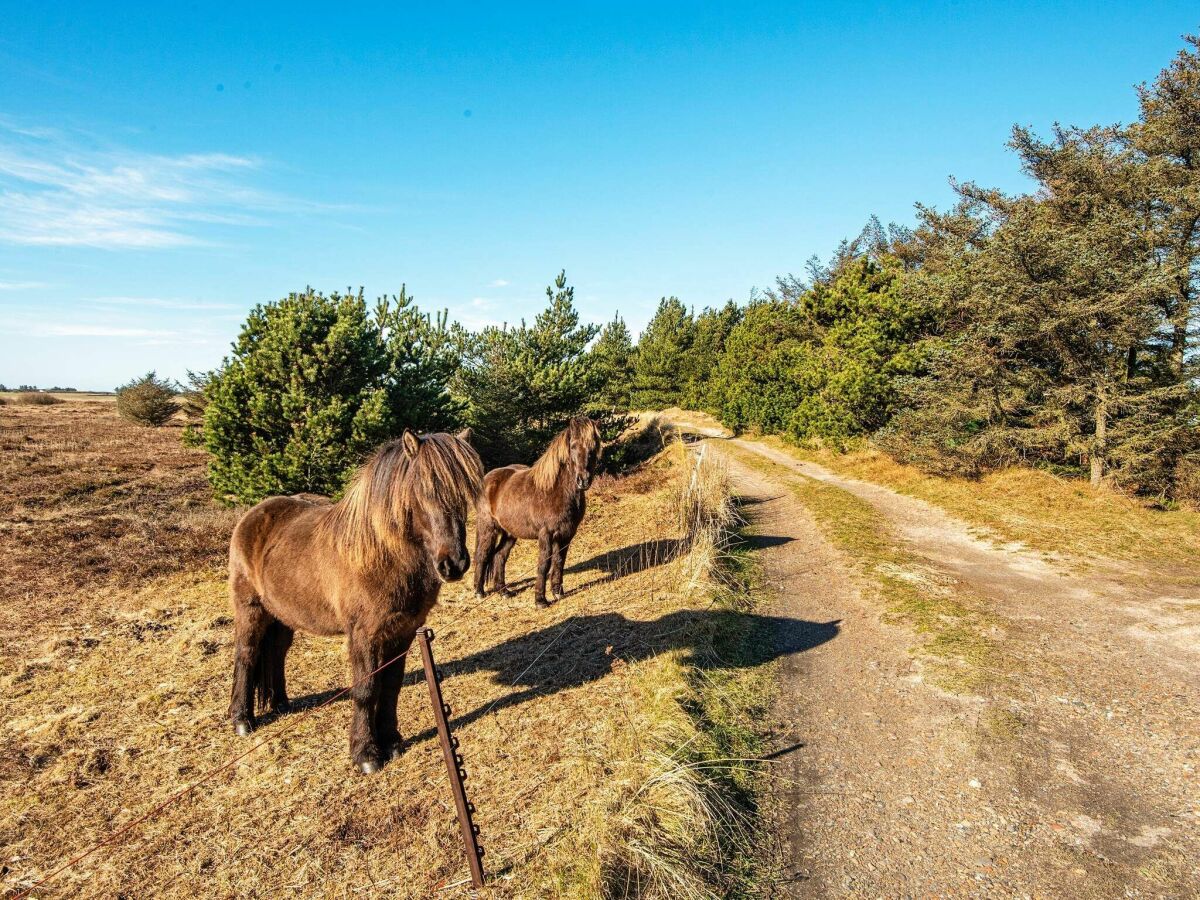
<point>585,449</point>
<point>445,474</point>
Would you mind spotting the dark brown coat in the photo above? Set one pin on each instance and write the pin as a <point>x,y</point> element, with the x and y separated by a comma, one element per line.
<point>543,502</point>
<point>369,566</point>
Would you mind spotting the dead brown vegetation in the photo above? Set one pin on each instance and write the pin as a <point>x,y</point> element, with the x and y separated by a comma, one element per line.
<point>567,716</point>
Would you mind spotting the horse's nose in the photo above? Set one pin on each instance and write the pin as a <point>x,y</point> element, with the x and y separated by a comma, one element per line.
<point>453,567</point>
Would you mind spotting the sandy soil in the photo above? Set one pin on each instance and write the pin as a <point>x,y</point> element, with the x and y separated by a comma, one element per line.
<point>1074,774</point>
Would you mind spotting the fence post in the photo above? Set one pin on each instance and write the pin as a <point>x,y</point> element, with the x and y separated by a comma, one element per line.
<point>454,760</point>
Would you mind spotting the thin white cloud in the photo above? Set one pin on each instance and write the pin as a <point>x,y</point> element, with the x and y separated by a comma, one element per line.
<point>159,303</point>
<point>54,193</point>
<point>23,285</point>
<point>499,283</point>
<point>108,331</point>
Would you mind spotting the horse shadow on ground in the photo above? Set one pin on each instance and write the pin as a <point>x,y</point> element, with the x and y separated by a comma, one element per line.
<point>584,649</point>
<point>645,555</point>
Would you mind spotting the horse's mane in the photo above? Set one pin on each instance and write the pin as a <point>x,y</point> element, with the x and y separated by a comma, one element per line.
<point>368,521</point>
<point>550,464</point>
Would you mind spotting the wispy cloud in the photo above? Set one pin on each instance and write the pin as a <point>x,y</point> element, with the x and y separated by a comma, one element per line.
<point>159,303</point>
<point>499,283</point>
<point>23,285</point>
<point>107,331</point>
<point>54,192</point>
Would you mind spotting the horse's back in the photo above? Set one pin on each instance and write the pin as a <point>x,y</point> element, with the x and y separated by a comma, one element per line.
<point>263,522</point>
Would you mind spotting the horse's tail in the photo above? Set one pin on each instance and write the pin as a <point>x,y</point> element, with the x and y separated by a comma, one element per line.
<point>268,667</point>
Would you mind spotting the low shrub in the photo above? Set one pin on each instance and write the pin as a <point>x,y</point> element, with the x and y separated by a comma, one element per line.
<point>149,400</point>
<point>37,398</point>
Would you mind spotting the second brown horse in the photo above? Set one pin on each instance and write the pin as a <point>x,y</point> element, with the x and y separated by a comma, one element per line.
<point>543,502</point>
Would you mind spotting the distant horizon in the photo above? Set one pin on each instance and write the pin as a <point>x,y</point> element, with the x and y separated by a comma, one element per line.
<point>160,180</point>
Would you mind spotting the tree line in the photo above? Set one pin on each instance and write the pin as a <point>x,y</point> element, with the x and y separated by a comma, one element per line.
<point>1054,328</point>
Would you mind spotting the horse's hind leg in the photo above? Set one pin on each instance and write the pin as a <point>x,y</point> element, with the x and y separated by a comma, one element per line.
<point>500,561</point>
<point>250,626</point>
<point>387,731</point>
<point>275,646</point>
<point>485,548</point>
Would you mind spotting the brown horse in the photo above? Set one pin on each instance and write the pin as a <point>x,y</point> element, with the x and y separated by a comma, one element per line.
<point>369,566</point>
<point>545,501</point>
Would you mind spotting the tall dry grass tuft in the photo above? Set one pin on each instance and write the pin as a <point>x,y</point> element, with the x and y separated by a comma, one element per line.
<point>708,518</point>
<point>680,822</point>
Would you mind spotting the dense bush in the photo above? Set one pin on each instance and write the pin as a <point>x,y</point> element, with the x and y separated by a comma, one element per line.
<point>149,400</point>
<point>315,383</point>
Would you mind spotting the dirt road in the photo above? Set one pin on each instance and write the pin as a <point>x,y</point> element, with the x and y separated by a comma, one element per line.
<point>1072,772</point>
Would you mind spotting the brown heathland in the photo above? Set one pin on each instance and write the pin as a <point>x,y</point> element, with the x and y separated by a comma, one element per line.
<point>115,681</point>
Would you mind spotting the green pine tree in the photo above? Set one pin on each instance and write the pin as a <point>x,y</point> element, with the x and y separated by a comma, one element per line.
<point>314,383</point>
<point>520,385</point>
<point>659,375</point>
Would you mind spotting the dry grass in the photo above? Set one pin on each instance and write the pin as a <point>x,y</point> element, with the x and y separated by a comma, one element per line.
<point>88,502</point>
<point>590,769</point>
<point>1035,507</point>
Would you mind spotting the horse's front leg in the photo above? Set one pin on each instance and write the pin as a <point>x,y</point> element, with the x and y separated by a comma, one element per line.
<point>545,545</point>
<point>364,691</point>
<point>557,561</point>
<point>387,731</point>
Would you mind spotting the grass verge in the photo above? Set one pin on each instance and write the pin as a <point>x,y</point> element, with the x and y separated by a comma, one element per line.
<point>958,653</point>
<point>682,817</point>
<point>1042,510</point>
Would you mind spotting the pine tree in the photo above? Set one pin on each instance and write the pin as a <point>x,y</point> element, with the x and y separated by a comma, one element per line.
<point>521,385</point>
<point>712,330</point>
<point>659,377</point>
<point>315,383</point>
<point>613,356</point>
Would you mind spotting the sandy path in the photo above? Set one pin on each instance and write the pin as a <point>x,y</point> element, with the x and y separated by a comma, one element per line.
<point>899,789</point>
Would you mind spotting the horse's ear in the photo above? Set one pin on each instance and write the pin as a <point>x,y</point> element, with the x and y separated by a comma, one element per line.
<point>464,435</point>
<point>412,444</point>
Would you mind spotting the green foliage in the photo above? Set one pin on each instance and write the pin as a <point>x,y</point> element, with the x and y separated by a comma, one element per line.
<point>1062,350</point>
<point>314,384</point>
<point>149,400</point>
<point>821,362</point>
<point>520,385</point>
<point>659,373</point>
<point>612,360</point>
<point>710,335</point>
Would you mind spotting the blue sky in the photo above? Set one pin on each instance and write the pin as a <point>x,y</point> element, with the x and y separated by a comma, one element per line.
<point>164,169</point>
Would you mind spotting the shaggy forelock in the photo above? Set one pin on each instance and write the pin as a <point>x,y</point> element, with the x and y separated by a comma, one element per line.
<point>546,470</point>
<point>445,473</point>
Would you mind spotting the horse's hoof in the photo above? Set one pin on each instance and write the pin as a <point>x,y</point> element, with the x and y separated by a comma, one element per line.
<point>479,595</point>
<point>394,752</point>
<point>541,603</point>
<point>369,767</point>
<point>242,728</point>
